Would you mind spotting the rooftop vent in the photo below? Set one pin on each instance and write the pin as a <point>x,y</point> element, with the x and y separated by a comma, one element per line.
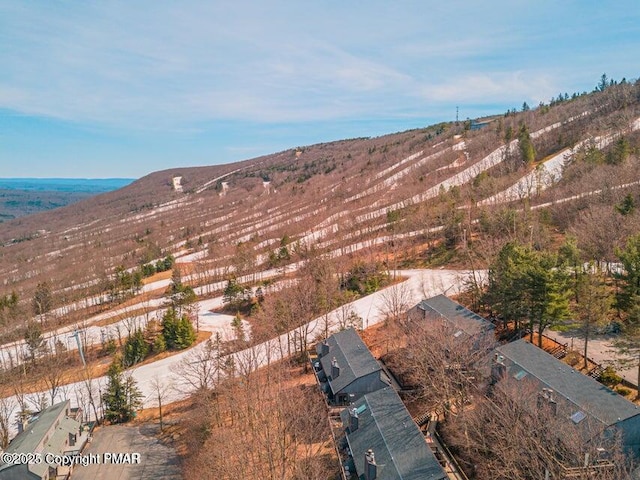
<point>520,375</point>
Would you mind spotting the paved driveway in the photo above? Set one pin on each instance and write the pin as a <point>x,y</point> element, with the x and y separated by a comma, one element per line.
<point>600,350</point>
<point>155,459</point>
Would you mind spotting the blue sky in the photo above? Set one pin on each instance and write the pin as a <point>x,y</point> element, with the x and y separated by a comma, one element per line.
<point>122,89</point>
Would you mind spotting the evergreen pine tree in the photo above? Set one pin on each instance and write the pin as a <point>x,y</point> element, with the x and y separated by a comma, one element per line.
<point>628,298</point>
<point>627,206</point>
<point>526,145</point>
<point>123,397</point>
<point>135,349</point>
<point>178,332</point>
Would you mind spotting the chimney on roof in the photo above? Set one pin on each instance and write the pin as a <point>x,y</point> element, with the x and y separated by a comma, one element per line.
<point>498,368</point>
<point>324,349</point>
<point>335,369</point>
<point>353,420</point>
<point>370,467</point>
<point>23,421</point>
<point>546,398</point>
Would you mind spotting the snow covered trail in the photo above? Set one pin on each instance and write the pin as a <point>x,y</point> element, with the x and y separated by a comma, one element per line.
<point>15,353</point>
<point>549,172</point>
<point>420,284</point>
<point>541,178</point>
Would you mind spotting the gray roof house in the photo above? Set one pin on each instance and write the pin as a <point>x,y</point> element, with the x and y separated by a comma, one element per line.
<point>384,441</point>
<point>458,317</point>
<point>56,430</point>
<point>575,395</point>
<point>347,369</point>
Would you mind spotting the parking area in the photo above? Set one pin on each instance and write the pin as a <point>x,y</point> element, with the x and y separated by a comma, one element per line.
<point>147,458</point>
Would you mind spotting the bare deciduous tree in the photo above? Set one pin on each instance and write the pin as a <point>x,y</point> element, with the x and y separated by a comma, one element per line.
<point>160,391</point>
<point>90,389</point>
<point>7,408</point>
<point>396,300</point>
<point>201,368</point>
<point>443,361</point>
<point>519,432</point>
<point>54,375</point>
<point>262,427</point>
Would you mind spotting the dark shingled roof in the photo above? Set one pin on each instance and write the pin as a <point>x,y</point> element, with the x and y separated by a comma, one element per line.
<point>34,434</point>
<point>459,316</point>
<point>353,357</point>
<point>523,359</point>
<point>385,426</point>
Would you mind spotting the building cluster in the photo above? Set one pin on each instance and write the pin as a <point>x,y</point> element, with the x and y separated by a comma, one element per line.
<point>382,439</point>
<point>383,442</point>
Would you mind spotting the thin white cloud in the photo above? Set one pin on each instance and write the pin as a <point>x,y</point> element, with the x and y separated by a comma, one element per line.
<point>150,66</point>
<point>491,87</point>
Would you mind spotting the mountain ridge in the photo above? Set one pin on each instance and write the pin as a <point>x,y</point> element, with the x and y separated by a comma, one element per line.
<point>327,195</point>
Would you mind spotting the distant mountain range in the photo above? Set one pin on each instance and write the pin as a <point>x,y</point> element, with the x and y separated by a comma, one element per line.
<point>76,185</point>
<point>24,196</point>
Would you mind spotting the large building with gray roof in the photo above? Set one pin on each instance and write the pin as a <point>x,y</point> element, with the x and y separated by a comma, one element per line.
<point>56,430</point>
<point>384,441</point>
<point>461,320</point>
<point>576,396</point>
<point>347,369</point>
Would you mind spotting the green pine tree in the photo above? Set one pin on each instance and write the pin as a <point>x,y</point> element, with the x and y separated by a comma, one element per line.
<point>526,284</point>
<point>178,332</point>
<point>526,145</point>
<point>627,205</point>
<point>619,153</point>
<point>123,397</point>
<point>238,328</point>
<point>135,349</point>
<point>629,295</point>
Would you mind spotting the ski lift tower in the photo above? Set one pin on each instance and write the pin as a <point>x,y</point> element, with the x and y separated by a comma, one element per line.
<point>76,334</point>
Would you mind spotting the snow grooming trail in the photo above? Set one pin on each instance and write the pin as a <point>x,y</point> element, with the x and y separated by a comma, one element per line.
<point>393,179</point>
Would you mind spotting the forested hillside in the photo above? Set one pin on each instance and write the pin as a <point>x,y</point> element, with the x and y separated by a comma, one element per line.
<point>564,167</point>
<point>25,196</point>
<point>534,213</point>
